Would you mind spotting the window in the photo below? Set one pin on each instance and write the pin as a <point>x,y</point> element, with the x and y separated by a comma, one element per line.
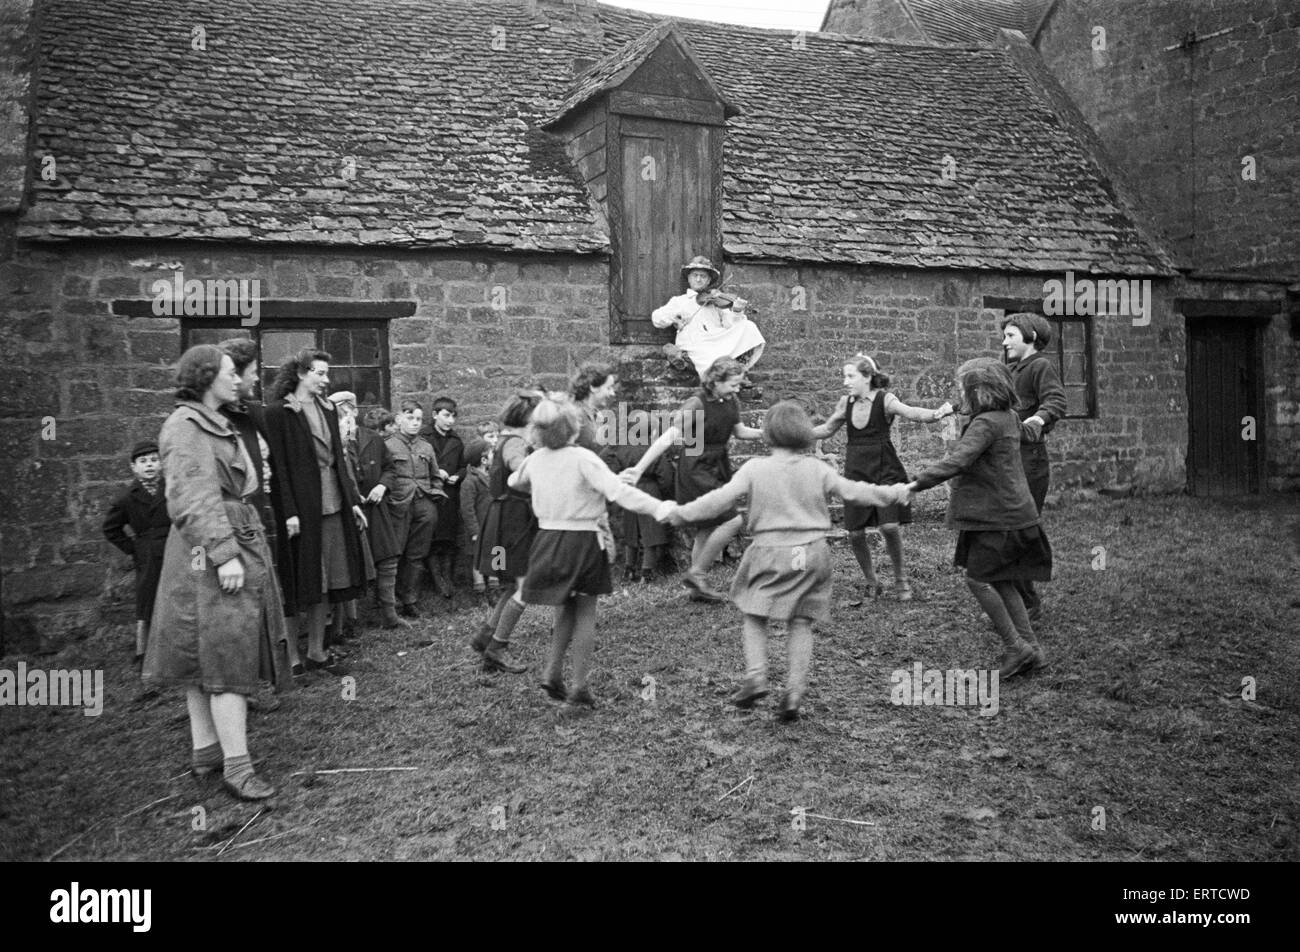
<point>1071,347</point>
<point>359,350</point>
<point>1072,350</point>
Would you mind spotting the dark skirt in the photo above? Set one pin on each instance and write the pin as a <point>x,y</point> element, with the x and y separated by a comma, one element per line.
<point>697,475</point>
<point>337,578</point>
<point>507,538</point>
<point>874,462</point>
<point>564,563</point>
<point>1013,555</point>
<point>783,582</point>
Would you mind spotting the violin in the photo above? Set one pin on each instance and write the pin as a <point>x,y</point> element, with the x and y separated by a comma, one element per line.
<point>722,301</point>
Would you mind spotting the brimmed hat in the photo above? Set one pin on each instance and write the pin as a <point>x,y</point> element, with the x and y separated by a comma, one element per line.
<point>143,448</point>
<point>701,263</point>
<point>344,396</point>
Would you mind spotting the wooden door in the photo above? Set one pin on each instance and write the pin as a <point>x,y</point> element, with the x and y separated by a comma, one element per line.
<point>667,214</point>
<point>1223,387</point>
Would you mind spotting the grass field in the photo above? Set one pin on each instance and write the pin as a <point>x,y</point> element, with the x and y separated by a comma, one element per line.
<point>1141,714</point>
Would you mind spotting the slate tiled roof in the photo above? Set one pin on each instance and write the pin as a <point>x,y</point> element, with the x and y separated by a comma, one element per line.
<point>964,21</point>
<point>970,21</point>
<point>837,157</point>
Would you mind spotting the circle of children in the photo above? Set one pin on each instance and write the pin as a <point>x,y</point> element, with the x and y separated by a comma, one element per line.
<point>246,517</point>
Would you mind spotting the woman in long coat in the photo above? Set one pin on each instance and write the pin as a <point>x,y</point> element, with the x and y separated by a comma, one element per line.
<point>218,610</point>
<point>320,558</point>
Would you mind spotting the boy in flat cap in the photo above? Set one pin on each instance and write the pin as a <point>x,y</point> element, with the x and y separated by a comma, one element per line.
<point>142,507</point>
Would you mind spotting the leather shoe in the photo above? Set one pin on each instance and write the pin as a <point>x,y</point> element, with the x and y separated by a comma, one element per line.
<point>748,695</point>
<point>700,590</point>
<point>555,689</point>
<point>252,787</point>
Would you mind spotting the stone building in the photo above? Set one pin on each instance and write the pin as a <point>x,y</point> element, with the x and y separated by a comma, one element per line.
<point>1198,103</point>
<point>466,196</point>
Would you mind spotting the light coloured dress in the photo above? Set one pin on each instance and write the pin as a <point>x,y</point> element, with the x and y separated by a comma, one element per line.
<point>705,333</point>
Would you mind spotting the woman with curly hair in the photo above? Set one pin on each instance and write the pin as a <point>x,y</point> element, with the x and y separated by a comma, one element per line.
<point>321,560</point>
<point>218,610</point>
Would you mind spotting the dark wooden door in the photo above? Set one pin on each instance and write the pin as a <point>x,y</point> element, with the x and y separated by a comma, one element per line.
<point>667,214</point>
<point>1223,387</point>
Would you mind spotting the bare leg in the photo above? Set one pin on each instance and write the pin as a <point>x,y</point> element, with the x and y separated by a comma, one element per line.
<point>315,616</point>
<point>862,552</point>
<point>706,552</point>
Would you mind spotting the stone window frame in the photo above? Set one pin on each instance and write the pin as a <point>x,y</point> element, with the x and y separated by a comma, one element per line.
<point>1056,348</point>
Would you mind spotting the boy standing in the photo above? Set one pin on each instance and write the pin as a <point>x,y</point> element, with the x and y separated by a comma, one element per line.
<point>475,498</point>
<point>142,507</point>
<point>417,486</point>
<point>1042,403</point>
<point>450,450</point>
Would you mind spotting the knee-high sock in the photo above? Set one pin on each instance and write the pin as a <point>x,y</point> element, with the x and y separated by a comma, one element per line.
<point>561,635</point>
<point>510,615</point>
<point>894,546</point>
<point>754,632</point>
<point>1009,592</point>
<point>800,652</point>
<point>584,638</point>
<point>991,601</point>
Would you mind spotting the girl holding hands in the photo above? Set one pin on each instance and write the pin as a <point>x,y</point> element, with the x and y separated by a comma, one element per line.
<point>704,424</point>
<point>786,573</point>
<point>868,410</point>
<point>999,540</point>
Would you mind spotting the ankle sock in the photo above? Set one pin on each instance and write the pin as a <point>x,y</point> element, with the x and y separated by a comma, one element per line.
<point>237,769</point>
<point>209,756</point>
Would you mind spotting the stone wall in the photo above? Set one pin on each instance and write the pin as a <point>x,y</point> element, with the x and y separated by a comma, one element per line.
<point>1181,121</point>
<point>94,382</point>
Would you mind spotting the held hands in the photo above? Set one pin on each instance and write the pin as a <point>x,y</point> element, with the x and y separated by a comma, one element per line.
<point>292,526</point>
<point>377,494</point>
<point>1032,428</point>
<point>230,575</point>
<point>943,411</point>
<point>631,476</point>
<point>362,522</point>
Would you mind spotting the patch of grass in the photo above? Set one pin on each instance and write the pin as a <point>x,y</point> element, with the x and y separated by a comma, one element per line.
<point>1141,713</point>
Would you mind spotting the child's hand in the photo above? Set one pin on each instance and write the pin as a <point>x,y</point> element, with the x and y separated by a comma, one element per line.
<point>631,476</point>
<point>943,411</point>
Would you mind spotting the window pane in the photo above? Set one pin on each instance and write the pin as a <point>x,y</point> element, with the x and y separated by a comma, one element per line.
<point>279,346</point>
<point>365,347</point>
<point>1076,400</point>
<point>267,375</point>
<point>337,342</point>
<point>340,378</point>
<point>1076,370</point>
<point>366,385</point>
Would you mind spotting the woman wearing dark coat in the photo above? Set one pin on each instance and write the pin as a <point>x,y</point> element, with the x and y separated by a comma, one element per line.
<point>218,610</point>
<point>320,555</point>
